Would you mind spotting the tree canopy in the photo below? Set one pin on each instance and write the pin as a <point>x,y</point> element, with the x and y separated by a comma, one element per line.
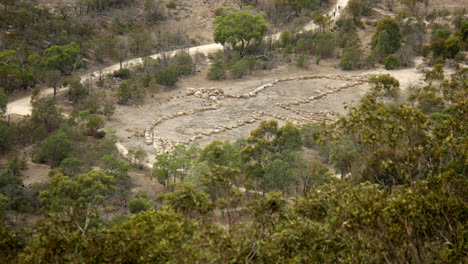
<point>241,30</point>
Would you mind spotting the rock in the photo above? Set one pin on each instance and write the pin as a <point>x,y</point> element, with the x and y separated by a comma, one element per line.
<point>204,96</point>
<point>198,94</point>
<point>190,91</point>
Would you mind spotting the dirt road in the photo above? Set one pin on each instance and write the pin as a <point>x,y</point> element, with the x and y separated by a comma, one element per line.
<point>23,106</point>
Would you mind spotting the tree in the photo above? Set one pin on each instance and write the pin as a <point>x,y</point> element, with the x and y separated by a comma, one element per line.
<point>351,58</point>
<point>63,58</point>
<point>387,38</point>
<point>45,112</point>
<point>13,74</point>
<point>322,21</point>
<point>241,30</point>
<point>93,124</point>
<point>81,191</point>
<point>356,8</point>
<point>453,47</point>
<point>311,174</point>
<point>137,157</point>
<point>72,166</point>
<point>3,102</point>
<point>53,79</point>
<point>187,200</point>
<point>115,167</point>
<point>54,149</point>
<point>386,84</point>
<point>266,144</point>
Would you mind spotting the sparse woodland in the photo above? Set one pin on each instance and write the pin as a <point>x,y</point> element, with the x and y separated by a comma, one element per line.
<point>386,184</point>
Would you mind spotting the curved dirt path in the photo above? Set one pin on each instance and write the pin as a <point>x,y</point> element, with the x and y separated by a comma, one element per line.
<point>23,106</point>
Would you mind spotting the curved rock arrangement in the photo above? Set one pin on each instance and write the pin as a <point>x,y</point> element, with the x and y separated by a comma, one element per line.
<point>213,96</point>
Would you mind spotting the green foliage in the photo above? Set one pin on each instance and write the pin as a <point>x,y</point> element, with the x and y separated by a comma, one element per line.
<point>171,4</point>
<point>217,71</point>
<point>429,102</point>
<point>140,204</point>
<point>124,93</point>
<point>184,63</point>
<point>82,191</point>
<point>242,66</point>
<point>241,30</point>
<point>115,167</point>
<point>319,44</point>
<point>13,73</point>
<point>351,58</point>
<point>93,124</point>
<point>391,62</point>
<point>3,102</point>
<point>175,165</point>
<point>54,149</point>
<point>387,38</point>
<point>436,74</point>
<point>187,200</point>
<point>63,58</point>
<point>167,75</point>
<point>11,186</point>
<point>302,61</point>
<point>453,46</point>
<point>77,91</point>
<point>10,243</point>
<point>123,74</point>
<point>71,166</point>
<point>386,84</point>
<point>286,38</point>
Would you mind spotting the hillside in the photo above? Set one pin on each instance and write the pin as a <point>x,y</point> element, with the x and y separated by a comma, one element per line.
<point>235,131</point>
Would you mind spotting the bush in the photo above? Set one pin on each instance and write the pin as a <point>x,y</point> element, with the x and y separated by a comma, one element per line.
<point>238,69</point>
<point>286,38</point>
<point>123,74</point>
<point>351,58</point>
<point>386,84</point>
<point>391,62</point>
<point>140,204</point>
<point>184,63</point>
<point>54,149</point>
<point>217,71</point>
<point>453,46</point>
<point>302,61</point>
<point>124,93</point>
<point>167,75</point>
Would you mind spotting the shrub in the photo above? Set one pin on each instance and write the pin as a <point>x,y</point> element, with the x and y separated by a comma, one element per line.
<point>238,69</point>
<point>302,61</point>
<point>184,63</point>
<point>139,205</point>
<point>351,58</point>
<point>54,149</point>
<point>387,84</point>
<point>123,74</point>
<point>217,71</point>
<point>167,75</point>
<point>453,46</point>
<point>286,38</point>
<point>124,93</point>
<point>391,62</point>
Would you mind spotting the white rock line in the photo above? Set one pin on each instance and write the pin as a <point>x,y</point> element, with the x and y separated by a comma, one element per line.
<point>215,95</point>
